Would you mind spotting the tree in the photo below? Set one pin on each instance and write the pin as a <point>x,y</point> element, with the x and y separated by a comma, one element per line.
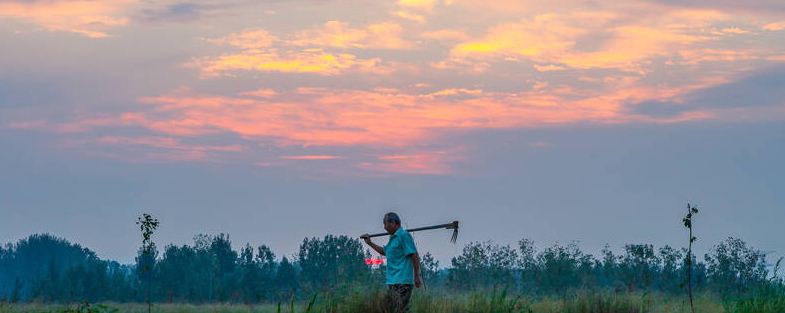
<point>225,264</point>
<point>483,265</point>
<point>332,261</point>
<point>286,279</point>
<point>265,258</point>
<point>16,293</point>
<point>176,272</point>
<point>639,266</point>
<point>687,220</point>
<point>563,267</point>
<point>429,268</point>
<point>148,253</point>
<point>670,270</point>
<point>527,265</point>
<point>734,268</point>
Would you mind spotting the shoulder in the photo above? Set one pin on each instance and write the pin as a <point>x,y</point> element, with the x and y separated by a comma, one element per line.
<point>406,236</point>
<point>403,233</point>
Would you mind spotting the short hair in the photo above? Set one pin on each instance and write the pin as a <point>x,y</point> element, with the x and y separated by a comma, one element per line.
<point>392,217</point>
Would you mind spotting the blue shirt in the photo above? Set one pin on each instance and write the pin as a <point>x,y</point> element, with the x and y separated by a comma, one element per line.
<point>399,263</point>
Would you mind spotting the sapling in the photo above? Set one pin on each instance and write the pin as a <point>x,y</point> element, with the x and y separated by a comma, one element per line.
<point>687,220</point>
<point>147,225</point>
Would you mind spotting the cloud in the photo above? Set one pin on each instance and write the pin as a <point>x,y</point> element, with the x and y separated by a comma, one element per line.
<point>143,149</point>
<point>173,12</point>
<point>416,10</point>
<point>382,95</point>
<point>255,39</point>
<point>758,90</point>
<point>311,157</point>
<point>261,93</point>
<point>261,51</point>
<point>337,34</point>
<point>548,68</point>
<point>445,35</point>
<point>182,11</point>
<point>558,40</point>
<point>87,18</point>
<point>410,16</point>
<point>377,118</point>
<point>423,5</point>
<point>777,26</point>
<point>308,61</point>
<point>544,35</point>
<point>420,163</point>
<point>766,6</point>
<point>735,31</point>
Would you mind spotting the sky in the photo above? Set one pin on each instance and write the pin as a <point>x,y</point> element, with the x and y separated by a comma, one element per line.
<point>561,121</point>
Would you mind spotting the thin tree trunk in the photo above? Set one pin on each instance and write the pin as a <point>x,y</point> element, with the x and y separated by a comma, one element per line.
<point>689,271</point>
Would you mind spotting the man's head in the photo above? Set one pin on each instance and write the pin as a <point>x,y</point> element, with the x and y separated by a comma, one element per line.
<point>391,222</point>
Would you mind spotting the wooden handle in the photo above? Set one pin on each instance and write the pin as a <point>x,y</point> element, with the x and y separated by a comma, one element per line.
<point>453,226</point>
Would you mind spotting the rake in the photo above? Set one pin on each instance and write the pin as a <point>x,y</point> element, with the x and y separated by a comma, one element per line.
<point>453,226</point>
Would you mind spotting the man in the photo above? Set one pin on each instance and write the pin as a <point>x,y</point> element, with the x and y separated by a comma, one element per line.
<point>403,263</point>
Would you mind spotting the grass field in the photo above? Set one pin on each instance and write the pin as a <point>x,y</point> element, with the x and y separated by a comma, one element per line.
<point>439,302</point>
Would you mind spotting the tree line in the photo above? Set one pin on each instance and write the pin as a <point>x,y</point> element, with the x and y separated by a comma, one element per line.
<point>46,268</point>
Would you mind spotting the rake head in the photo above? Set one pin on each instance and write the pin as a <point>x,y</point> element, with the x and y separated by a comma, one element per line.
<point>454,228</point>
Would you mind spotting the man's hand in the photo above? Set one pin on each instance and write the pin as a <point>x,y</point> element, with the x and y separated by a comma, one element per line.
<point>418,281</point>
<point>367,239</point>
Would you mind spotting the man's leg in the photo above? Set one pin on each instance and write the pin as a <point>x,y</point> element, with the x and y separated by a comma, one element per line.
<point>399,296</point>
<point>392,299</point>
<point>406,296</point>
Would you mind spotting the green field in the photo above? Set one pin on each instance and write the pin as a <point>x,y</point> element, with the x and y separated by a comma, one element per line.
<point>435,302</point>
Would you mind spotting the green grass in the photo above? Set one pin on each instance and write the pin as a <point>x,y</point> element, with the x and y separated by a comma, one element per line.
<point>445,302</point>
<point>769,301</point>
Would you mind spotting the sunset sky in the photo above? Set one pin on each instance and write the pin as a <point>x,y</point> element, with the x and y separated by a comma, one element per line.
<point>558,121</point>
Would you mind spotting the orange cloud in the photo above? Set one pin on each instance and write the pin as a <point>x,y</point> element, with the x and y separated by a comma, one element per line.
<point>255,39</point>
<point>424,5</point>
<point>559,40</point>
<point>774,26</point>
<point>87,18</point>
<point>410,16</point>
<point>542,36</point>
<point>308,61</point>
<point>263,52</point>
<point>336,34</point>
<point>445,35</point>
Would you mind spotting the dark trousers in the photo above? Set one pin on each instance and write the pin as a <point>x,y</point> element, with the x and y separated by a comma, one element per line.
<point>398,297</point>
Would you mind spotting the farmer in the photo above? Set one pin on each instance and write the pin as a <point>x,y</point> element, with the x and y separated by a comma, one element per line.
<point>403,263</point>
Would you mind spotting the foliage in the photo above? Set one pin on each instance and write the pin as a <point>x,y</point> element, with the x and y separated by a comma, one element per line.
<point>211,271</point>
<point>736,268</point>
<point>331,262</point>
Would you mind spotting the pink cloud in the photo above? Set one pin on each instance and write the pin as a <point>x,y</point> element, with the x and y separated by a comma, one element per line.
<point>420,163</point>
<point>87,18</point>
<point>311,157</point>
<point>382,117</point>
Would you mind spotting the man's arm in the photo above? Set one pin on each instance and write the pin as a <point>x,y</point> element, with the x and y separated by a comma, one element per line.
<point>370,243</point>
<point>416,264</point>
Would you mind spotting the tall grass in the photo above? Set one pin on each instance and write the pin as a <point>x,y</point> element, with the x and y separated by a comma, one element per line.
<point>766,300</point>
<point>442,301</point>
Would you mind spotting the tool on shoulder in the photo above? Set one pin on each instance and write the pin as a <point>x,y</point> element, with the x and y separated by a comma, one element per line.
<point>453,226</point>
